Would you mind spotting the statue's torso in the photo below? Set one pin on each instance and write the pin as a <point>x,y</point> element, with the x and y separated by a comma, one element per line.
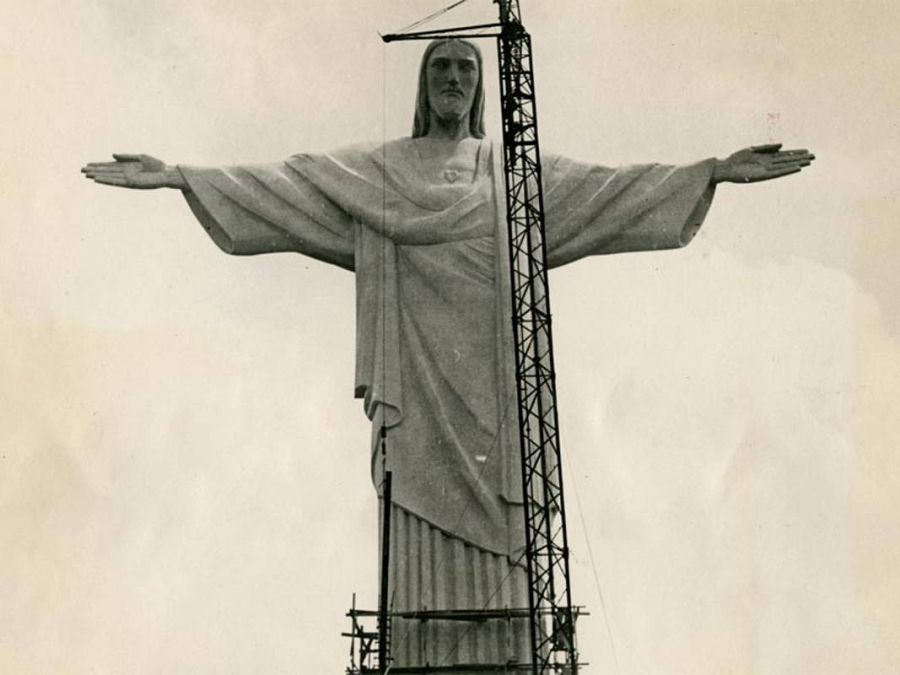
<point>449,459</point>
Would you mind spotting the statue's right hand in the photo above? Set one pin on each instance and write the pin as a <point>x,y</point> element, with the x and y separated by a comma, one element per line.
<point>140,172</point>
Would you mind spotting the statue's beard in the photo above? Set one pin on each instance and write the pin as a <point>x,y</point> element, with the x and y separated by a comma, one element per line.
<point>450,117</point>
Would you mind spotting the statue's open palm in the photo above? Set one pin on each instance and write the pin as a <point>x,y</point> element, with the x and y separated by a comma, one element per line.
<point>140,172</point>
<point>761,162</point>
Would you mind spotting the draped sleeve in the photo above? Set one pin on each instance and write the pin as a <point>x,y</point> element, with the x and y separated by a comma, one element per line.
<point>248,210</point>
<point>593,210</point>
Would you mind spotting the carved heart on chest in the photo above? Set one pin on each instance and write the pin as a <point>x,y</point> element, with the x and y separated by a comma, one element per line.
<point>451,175</point>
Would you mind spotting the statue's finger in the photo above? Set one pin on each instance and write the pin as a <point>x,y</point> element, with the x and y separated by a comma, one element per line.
<point>784,165</point>
<point>120,157</point>
<point>783,172</point>
<point>118,181</point>
<point>104,174</point>
<point>793,158</point>
<point>96,165</point>
<point>116,167</point>
<point>797,160</point>
<point>787,166</point>
<point>768,148</point>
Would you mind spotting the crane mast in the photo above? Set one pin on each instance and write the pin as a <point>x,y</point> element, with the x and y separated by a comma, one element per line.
<point>546,542</point>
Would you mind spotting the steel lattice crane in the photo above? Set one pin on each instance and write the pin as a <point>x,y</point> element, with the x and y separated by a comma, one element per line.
<point>550,611</point>
<point>546,541</point>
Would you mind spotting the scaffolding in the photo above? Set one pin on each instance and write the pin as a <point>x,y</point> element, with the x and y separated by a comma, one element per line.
<point>366,645</point>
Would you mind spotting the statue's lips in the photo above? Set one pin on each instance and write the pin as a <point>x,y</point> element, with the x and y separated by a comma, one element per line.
<point>453,92</point>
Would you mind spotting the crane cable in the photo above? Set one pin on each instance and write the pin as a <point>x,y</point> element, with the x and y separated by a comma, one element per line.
<point>384,250</point>
<point>432,16</point>
<point>590,549</point>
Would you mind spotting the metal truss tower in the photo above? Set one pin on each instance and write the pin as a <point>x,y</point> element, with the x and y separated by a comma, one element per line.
<point>547,549</point>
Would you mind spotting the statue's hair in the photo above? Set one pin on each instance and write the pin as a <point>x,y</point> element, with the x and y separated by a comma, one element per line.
<point>422,119</point>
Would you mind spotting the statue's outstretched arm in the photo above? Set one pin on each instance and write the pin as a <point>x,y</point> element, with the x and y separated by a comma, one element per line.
<point>139,172</point>
<point>760,162</point>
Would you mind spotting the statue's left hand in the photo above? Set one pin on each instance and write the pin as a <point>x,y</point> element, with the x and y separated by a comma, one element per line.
<point>760,162</point>
<point>138,172</point>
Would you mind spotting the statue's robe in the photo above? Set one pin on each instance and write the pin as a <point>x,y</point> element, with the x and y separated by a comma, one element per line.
<point>434,360</point>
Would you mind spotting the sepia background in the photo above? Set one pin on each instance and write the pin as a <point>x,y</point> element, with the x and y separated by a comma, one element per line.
<point>183,471</point>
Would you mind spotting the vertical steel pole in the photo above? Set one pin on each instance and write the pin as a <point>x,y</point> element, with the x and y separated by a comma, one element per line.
<point>383,617</point>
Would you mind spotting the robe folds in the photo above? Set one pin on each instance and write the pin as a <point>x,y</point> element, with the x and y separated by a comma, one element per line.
<point>434,361</point>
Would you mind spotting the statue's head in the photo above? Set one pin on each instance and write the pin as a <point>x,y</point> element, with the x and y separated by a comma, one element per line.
<point>451,85</point>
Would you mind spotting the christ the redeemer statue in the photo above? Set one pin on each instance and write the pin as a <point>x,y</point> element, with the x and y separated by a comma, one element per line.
<point>421,222</point>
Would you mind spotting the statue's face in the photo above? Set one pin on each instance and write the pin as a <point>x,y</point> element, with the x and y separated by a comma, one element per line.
<point>452,78</point>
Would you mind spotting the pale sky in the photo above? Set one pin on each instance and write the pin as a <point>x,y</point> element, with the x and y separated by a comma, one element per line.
<point>183,470</point>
